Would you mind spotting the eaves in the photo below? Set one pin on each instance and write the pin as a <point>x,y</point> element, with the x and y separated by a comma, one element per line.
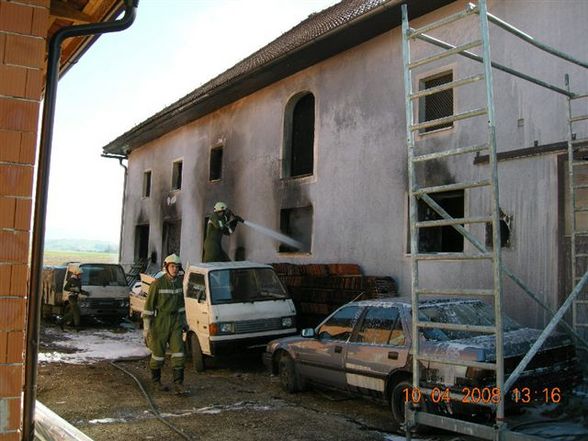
<point>226,89</point>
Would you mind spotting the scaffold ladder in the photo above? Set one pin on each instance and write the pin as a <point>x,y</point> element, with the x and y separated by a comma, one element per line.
<point>416,193</point>
<point>577,181</point>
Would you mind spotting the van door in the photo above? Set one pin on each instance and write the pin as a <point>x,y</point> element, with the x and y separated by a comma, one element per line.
<point>196,301</point>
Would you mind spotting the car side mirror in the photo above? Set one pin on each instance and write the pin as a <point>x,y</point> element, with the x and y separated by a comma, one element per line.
<point>308,333</point>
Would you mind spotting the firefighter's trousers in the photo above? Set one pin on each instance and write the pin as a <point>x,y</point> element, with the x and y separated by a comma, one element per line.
<point>166,328</point>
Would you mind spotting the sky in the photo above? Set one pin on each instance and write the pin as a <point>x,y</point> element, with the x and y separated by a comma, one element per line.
<point>173,47</point>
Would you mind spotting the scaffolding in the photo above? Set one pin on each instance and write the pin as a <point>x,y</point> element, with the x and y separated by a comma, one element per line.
<point>414,415</point>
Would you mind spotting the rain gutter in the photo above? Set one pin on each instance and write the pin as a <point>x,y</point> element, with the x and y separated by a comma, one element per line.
<point>120,158</point>
<point>40,213</point>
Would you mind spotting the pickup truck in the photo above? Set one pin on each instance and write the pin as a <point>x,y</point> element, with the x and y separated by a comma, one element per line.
<point>105,284</point>
<point>230,306</point>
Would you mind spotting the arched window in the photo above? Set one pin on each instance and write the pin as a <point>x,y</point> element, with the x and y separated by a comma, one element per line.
<point>299,136</point>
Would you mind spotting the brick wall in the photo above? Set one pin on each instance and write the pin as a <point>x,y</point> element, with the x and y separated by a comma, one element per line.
<point>23,31</point>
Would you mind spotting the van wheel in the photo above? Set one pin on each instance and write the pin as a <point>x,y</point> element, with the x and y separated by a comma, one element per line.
<point>287,372</point>
<point>196,352</point>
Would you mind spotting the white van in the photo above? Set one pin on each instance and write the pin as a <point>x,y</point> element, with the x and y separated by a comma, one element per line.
<point>105,284</point>
<point>234,306</point>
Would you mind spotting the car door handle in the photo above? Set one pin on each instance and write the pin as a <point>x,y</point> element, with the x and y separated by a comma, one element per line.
<point>338,349</point>
<point>393,355</point>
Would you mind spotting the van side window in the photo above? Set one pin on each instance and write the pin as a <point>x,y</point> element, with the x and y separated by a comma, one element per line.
<point>381,326</point>
<point>340,325</point>
<point>196,287</point>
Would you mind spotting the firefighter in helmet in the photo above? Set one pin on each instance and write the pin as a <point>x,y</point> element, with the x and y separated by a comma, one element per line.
<point>221,222</point>
<point>164,320</point>
<point>74,286</point>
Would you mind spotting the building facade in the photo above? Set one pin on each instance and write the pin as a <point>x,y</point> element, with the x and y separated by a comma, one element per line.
<point>319,151</point>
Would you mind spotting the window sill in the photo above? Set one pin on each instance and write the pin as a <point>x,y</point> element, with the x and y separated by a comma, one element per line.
<point>302,179</point>
<point>214,181</point>
<point>432,132</point>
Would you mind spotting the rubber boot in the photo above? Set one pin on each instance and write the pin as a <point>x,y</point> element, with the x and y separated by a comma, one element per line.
<point>156,380</point>
<point>179,382</point>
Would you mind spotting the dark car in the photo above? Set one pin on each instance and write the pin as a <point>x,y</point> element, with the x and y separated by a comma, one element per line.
<point>364,347</point>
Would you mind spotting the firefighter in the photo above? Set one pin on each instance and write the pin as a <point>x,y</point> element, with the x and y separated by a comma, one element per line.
<point>74,286</point>
<point>221,222</point>
<point>164,320</point>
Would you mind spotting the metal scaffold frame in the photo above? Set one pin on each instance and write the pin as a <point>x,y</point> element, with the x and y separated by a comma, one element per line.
<point>414,416</point>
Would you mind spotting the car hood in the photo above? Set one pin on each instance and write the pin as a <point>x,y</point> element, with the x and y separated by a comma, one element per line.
<point>482,348</point>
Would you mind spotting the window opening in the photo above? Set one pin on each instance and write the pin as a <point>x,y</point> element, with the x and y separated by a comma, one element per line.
<point>172,236</point>
<point>441,239</point>
<point>297,224</point>
<point>299,143</point>
<point>177,175</point>
<point>147,184</point>
<point>505,223</point>
<point>437,105</point>
<point>141,242</point>
<point>216,164</point>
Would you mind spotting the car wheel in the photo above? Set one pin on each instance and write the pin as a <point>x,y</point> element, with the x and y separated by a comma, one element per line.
<point>287,372</point>
<point>196,352</point>
<point>397,401</point>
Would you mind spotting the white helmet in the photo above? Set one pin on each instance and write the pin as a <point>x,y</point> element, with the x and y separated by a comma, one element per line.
<point>172,258</point>
<point>77,270</point>
<point>220,206</point>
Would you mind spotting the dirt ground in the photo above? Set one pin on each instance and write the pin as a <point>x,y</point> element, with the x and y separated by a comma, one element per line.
<point>236,400</point>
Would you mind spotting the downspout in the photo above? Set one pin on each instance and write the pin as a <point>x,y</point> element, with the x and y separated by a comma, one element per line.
<point>42,184</point>
<point>122,211</point>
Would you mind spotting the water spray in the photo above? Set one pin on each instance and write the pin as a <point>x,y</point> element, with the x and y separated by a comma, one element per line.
<point>274,234</point>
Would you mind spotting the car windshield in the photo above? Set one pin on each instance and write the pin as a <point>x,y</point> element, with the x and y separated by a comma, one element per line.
<point>245,285</point>
<point>465,313</point>
<point>103,275</point>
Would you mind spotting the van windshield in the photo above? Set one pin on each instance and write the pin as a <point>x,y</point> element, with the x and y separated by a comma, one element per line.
<point>245,285</point>
<point>103,275</point>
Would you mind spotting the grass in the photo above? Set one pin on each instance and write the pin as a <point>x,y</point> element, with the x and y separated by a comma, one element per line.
<point>54,257</point>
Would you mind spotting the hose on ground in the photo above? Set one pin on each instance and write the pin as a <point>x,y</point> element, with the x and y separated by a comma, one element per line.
<point>154,409</point>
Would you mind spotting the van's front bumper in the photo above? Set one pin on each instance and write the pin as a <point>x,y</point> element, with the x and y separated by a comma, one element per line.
<point>103,307</point>
<point>228,346</point>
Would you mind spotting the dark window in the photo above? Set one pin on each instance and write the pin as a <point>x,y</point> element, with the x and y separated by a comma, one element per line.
<point>141,242</point>
<point>504,233</point>
<point>177,175</point>
<point>216,164</point>
<point>446,238</point>
<point>147,184</point>
<point>172,232</point>
<point>340,325</point>
<point>299,142</point>
<point>297,224</point>
<point>196,287</point>
<point>381,326</point>
<point>437,105</point>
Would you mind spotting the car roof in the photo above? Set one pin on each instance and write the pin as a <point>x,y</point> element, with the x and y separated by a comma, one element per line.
<point>212,266</point>
<point>406,300</point>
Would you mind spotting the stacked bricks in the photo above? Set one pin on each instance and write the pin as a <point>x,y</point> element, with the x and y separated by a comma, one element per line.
<point>23,33</point>
<point>319,289</point>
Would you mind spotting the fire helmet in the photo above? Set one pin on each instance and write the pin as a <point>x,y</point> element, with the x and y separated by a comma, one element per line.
<point>220,206</point>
